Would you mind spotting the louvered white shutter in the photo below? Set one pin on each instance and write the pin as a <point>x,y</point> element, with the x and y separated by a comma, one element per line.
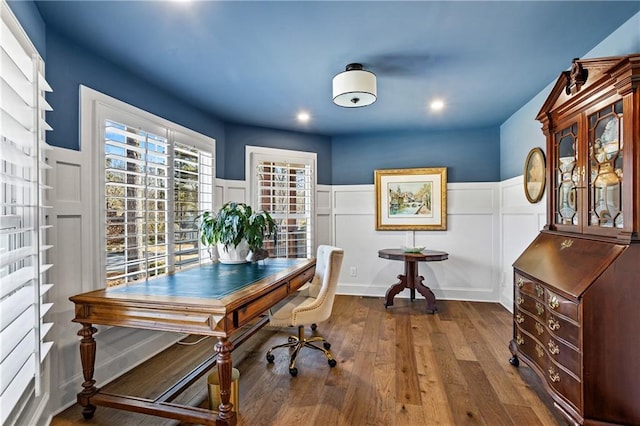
<point>192,193</point>
<point>23,248</point>
<point>284,186</point>
<point>136,196</point>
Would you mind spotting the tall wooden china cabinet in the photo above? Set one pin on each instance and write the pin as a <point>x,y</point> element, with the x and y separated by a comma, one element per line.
<point>577,286</point>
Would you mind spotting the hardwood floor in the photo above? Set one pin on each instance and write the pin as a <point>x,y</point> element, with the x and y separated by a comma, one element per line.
<point>396,366</point>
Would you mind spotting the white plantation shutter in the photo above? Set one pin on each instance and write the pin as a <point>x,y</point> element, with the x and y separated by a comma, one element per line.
<point>193,193</point>
<point>23,220</point>
<point>157,180</point>
<point>136,196</point>
<point>283,184</point>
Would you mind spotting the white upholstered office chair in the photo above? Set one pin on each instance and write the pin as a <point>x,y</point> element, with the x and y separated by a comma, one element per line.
<point>311,305</point>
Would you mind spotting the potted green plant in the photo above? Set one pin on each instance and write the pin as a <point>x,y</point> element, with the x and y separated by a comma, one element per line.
<point>236,230</point>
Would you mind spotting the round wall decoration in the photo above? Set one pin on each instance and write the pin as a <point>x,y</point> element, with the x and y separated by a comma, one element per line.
<point>534,175</point>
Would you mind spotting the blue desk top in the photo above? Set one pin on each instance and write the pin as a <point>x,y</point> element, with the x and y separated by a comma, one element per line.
<point>212,281</point>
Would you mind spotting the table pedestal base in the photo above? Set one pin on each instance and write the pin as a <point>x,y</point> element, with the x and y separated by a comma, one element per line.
<point>413,282</point>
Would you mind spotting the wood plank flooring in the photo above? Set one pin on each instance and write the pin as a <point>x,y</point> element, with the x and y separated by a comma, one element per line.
<point>396,366</point>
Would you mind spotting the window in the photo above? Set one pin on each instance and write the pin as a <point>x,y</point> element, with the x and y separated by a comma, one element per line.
<point>23,248</point>
<point>157,178</point>
<point>283,183</point>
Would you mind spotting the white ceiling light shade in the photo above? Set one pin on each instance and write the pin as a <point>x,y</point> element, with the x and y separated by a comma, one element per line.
<point>354,87</point>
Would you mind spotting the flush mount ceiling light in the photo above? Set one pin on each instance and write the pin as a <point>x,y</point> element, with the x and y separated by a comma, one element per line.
<point>354,87</point>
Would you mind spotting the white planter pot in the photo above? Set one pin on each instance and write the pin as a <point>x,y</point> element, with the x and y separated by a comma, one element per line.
<point>233,255</point>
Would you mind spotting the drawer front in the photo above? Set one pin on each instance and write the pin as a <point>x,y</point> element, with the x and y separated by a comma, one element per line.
<point>524,285</point>
<point>564,384</point>
<point>300,280</point>
<point>563,355</point>
<point>536,308</point>
<point>258,306</point>
<point>528,322</point>
<point>563,329</point>
<point>563,306</point>
<point>531,348</point>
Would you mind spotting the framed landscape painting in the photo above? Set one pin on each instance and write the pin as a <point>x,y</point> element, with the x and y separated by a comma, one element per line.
<point>411,199</point>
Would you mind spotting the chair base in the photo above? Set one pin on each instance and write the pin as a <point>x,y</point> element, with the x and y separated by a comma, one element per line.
<point>298,342</point>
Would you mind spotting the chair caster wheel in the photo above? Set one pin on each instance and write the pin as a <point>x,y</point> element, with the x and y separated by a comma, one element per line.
<point>514,361</point>
<point>293,371</point>
<point>291,339</point>
<point>332,363</point>
<point>270,358</point>
<point>327,345</point>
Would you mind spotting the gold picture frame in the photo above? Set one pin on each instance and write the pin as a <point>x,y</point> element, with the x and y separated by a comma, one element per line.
<point>411,199</point>
<point>534,175</point>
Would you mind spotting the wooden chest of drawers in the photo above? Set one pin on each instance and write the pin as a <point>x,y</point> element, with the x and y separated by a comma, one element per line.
<point>576,324</point>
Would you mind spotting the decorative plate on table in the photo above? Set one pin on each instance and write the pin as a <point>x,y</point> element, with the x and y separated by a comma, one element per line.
<point>412,249</point>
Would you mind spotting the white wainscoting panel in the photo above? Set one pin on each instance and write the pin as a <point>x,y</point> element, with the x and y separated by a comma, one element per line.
<point>230,190</point>
<point>236,191</point>
<point>470,273</point>
<point>521,223</point>
<point>323,215</point>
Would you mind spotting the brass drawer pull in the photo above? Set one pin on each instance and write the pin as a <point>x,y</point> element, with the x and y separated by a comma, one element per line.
<point>553,348</point>
<point>553,324</point>
<point>553,302</point>
<point>519,318</point>
<point>539,308</point>
<point>540,351</point>
<point>553,375</point>
<point>539,291</point>
<point>520,282</point>
<point>520,300</point>
<point>519,339</point>
<point>539,328</point>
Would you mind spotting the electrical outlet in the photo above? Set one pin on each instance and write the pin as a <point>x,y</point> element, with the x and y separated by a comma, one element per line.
<point>353,271</point>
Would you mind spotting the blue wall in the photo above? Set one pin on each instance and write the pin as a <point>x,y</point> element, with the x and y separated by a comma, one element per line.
<point>470,156</point>
<point>70,65</point>
<point>239,136</point>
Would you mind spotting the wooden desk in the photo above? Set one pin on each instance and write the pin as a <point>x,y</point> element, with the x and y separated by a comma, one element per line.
<point>211,300</point>
<point>411,279</point>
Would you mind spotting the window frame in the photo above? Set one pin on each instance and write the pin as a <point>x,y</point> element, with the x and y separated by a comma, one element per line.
<point>253,154</point>
<point>95,108</point>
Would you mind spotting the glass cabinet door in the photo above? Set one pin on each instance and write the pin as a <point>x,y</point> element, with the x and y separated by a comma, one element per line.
<point>605,167</point>
<point>567,176</point>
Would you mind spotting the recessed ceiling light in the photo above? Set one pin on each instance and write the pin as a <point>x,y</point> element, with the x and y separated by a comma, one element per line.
<point>437,105</point>
<point>303,116</point>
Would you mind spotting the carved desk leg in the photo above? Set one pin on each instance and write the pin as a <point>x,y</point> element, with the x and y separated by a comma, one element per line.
<point>88,359</point>
<point>226,415</point>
